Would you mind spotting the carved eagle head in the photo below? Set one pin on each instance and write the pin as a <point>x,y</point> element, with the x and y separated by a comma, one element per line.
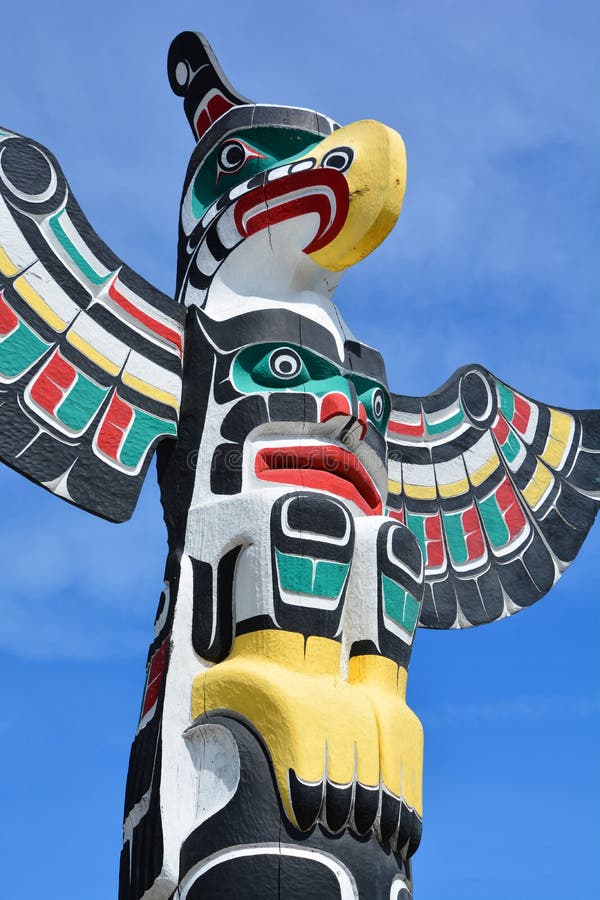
<point>278,196</point>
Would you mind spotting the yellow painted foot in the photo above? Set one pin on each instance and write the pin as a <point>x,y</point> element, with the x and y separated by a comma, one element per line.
<point>345,752</point>
<point>317,728</point>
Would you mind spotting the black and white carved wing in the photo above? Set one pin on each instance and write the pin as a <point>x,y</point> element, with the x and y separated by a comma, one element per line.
<point>90,353</point>
<point>499,490</point>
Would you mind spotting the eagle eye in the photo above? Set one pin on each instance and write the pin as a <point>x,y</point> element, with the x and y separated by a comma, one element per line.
<point>232,156</point>
<point>339,158</point>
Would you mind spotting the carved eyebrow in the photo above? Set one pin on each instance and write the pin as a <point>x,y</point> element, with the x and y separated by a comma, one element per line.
<point>284,326</point>
<point>274,326</point>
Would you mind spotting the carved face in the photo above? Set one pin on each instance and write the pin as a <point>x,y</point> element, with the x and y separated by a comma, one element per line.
<point>292,412</point>
<point>294,196</point>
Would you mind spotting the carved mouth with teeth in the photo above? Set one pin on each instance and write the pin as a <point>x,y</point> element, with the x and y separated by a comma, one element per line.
<point>259,203</point>
<point>323,467</point>
<point>321,191</point>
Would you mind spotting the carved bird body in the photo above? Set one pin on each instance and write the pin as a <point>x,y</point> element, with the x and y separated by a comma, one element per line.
<point>314,518</point>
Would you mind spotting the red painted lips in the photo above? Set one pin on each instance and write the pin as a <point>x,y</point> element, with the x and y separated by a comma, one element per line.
<point>321,191</point>
<point>325,467</point>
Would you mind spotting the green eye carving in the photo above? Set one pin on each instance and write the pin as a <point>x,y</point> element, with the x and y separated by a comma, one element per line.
<point>269,366</point>
<point>378,404</point>
<point>285,363</point>
<point>242,155</point>
<point>276,367</point>
<point>282,367</point>
<point>376,400</point>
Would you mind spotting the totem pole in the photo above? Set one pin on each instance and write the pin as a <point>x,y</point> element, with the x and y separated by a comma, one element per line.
<point>314,518</point>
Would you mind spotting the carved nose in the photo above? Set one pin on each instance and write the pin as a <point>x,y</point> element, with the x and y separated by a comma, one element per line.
<point>337,404</point>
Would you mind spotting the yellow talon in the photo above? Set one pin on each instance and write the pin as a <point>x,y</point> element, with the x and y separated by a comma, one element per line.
<point>314,722</point>
<point>399,730</point>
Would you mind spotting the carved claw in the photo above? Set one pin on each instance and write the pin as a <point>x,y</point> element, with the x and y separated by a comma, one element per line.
<point>345,753</point>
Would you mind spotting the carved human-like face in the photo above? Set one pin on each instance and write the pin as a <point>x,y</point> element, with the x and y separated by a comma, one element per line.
<point>294,413</point>
<point>343,405</point>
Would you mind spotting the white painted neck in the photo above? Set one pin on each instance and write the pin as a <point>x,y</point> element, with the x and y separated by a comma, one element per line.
<point>272,265</point>
<point>270,270</point>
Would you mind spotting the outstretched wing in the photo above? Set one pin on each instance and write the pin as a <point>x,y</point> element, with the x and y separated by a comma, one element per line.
<point>90,353</point>
<point>499,490</point>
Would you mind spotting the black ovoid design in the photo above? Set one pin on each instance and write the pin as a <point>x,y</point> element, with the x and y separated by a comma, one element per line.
<point>223,858</point>
<point>316,533</point>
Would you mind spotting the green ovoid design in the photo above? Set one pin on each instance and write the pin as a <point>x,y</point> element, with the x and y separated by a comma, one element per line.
<point>303,575</point>
<point>399,605</point>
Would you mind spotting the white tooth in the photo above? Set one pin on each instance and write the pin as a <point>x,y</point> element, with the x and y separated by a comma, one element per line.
<point>280,172</point>
<point>209,215</point>
<point>302,166</point>
<point>236,192</point>
<point>205,261</point>
<point>227,230</point>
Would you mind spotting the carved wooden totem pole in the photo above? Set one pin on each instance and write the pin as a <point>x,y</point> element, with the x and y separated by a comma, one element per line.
<point>314,518</point>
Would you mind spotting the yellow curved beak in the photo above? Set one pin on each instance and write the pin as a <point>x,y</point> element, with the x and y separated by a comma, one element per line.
<point>376,182</point>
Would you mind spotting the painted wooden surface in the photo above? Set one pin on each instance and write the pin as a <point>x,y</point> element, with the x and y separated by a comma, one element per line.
<point>315,518</point>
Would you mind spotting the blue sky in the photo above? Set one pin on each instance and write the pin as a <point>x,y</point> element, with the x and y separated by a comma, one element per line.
<point>495,259</point>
